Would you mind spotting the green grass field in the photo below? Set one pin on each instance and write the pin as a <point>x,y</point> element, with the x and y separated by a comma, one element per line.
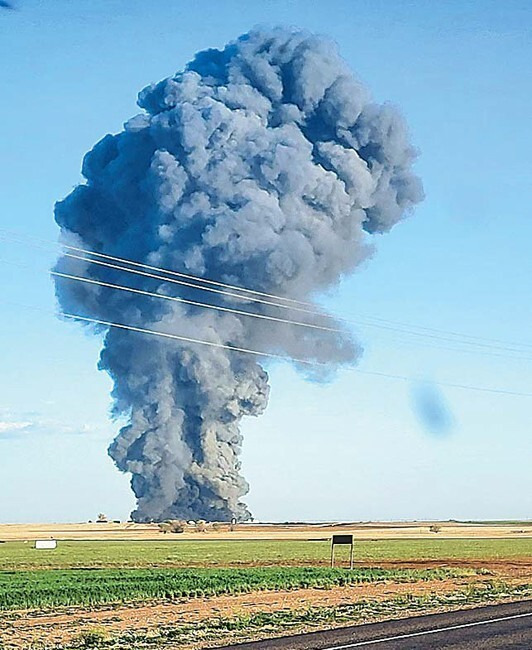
<point>89,573</point>
<point>107,554</point>
<point>60,587</point>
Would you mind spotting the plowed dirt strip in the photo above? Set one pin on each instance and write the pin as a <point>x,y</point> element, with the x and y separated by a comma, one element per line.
<point>22,630</point>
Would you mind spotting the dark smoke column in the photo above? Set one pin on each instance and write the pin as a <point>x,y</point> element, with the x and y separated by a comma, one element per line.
<point>266,165</point>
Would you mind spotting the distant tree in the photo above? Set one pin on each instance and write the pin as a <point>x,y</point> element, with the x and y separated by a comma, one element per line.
<point>172,526</point>
<point>178,527</point>
<point>102,518</point>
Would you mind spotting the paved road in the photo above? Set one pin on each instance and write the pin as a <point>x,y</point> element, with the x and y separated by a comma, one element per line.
<point>507,626</point>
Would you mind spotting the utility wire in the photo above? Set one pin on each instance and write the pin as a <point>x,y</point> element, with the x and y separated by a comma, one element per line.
<point>396,339</point>
<point>192,285</point>
<point>191,302</point>
<point>162,296</point>
<point>271,355</point>
<point>266,317</point>
<point>298,309</point>
<point>474,341</point>
<point>187,276</point>
<point>360,320</point>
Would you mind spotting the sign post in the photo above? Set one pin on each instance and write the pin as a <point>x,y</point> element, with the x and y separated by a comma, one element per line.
<point>342,540</point>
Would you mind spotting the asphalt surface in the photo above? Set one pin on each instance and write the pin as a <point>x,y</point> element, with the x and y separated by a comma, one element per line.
<point>507,626</point>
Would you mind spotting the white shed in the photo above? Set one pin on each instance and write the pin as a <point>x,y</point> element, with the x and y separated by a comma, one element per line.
<point>45,543</point>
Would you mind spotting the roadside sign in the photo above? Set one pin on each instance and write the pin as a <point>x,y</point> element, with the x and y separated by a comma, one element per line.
<point>346,540</point>
<point>342,539</point>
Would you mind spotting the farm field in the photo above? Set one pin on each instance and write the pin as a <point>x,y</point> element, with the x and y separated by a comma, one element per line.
<point>362,530</point>
<point>52,588</point>
<point>178,553</point>
<point>195,590</point>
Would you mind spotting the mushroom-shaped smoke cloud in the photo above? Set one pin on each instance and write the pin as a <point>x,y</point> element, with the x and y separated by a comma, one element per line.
<point>266,165</point>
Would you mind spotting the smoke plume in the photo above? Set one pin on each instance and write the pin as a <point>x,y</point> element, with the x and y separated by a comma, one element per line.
<point>267,165</point>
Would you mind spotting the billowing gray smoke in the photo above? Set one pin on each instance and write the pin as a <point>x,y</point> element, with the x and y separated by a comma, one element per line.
<point>265,165</point>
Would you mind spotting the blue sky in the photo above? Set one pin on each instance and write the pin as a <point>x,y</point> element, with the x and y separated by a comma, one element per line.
<point>354,448</point>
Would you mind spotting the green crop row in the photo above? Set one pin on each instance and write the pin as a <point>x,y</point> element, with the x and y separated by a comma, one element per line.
<point>52,588</point>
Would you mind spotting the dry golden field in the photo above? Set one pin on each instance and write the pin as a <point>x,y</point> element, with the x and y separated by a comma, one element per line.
<point>363,531</point>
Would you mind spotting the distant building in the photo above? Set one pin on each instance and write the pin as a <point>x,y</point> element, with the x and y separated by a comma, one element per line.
<point>45,543</point>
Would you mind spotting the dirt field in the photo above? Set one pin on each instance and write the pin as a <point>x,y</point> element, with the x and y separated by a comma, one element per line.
<point>373,530</point>
<point>21,630</point>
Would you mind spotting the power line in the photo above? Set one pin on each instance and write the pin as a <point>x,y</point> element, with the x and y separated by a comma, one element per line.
<point>191,302</point>
<point>262,316</point>
<point>470,340</point>
<point>283,357</point>
<point>270,355</point>
<point>270,295</point>
<point>182,282</point>
<point>187,276</point>
<point>405,341</point>
<point>152,294</point>
<point>267,317</point>
<point>298,309</point>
